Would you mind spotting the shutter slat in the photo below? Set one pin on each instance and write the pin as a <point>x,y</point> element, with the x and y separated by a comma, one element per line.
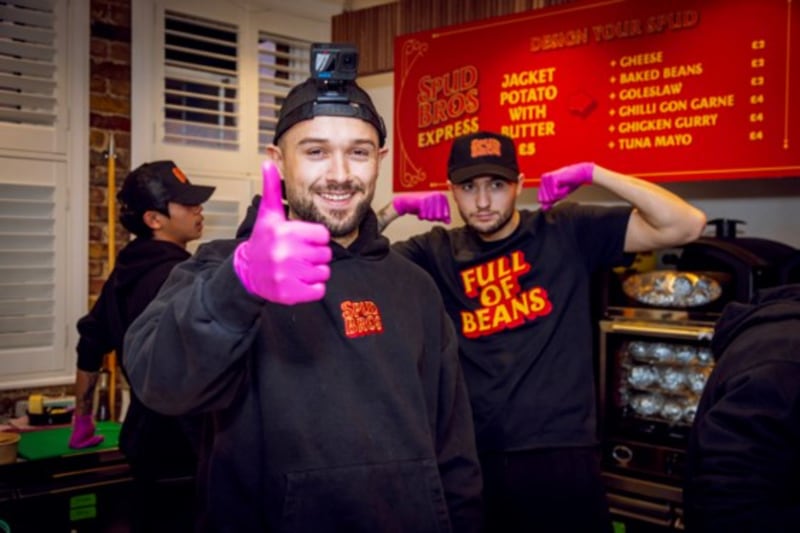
<point>203,142</point>
<point>13,324</point>
<point>208,98</point>
<point>27,68</point>
<point>29,17</point>
<point>27,51</point>
<point>200,111</point>
<point>27,101</point>
<point>12,308</point>
<point>23,83</point>
<point>41,5</point>
<point>200,53</point>
<point>41,258</point>
<point>25,117</point>
<point>30,339</point>
<point>27,33</point>
<point>27,290</point>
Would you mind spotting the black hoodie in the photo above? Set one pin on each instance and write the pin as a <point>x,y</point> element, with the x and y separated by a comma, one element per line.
<point>152,441</point>
<point>345,414</point>
<point>743,471</point>
<point>141,268</point>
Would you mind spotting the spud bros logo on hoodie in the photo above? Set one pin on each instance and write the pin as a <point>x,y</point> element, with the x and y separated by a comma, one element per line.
<point>361,318</point>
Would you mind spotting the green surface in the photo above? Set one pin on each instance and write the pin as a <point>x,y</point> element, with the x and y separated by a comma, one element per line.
<point>46,443</point>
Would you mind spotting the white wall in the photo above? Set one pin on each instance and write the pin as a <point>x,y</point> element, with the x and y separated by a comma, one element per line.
<point>770,207</point>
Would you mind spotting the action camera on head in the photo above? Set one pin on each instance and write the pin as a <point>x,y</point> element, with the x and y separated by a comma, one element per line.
<point>334,62</point>
<point>331,90</point>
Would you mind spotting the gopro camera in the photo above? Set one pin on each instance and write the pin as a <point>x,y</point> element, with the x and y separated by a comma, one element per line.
<point>334,62</point>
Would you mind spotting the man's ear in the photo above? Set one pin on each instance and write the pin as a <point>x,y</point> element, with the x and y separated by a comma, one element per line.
<point>275,155</point>
<point>382,153</point>
<point>152,219</point>
<point>520,183</point>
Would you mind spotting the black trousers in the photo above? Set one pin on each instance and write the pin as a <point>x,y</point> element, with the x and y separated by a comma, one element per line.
<point>550,490</point>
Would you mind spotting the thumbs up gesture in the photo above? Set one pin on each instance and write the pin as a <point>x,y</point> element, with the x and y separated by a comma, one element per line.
<point>283,261</point>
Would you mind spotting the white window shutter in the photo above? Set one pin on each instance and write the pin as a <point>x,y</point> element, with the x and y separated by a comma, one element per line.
<point>201,82</point>
<point>44,76</point>
<point>27,266</point>
<point>282,64</point>
<point>27,62</point>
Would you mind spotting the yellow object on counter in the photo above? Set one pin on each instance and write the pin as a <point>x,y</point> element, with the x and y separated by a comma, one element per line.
<point>36,404</point>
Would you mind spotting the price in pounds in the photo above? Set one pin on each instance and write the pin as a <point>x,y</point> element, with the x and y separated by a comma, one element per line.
<point>756,117</point>
<point>757,135</point>
<point>756,98</point>
<point>527,148</point>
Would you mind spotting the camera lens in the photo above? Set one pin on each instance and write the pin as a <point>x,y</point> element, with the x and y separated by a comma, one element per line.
<point>349,61</point>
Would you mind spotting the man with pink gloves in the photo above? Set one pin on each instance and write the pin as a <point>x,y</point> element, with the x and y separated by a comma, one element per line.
<point>325,362</point>
<point>164,210</point>
<point>516,283</point>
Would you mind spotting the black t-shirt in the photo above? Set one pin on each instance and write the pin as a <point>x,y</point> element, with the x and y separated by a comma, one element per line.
<point>522,309</point>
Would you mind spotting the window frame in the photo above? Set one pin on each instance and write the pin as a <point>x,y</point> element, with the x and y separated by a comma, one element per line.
<point>147,75</point>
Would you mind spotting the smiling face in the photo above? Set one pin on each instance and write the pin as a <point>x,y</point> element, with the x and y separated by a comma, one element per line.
<point>488,205</point>
<point>330,168</point>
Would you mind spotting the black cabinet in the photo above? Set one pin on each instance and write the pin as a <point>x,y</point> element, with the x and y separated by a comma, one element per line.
<point>80,493</point>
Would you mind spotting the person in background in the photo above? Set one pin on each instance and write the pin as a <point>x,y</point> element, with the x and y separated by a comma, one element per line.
<point>325,362</point>
<point>516,283</point>
<point>164,211</point>
<point>743,462</point>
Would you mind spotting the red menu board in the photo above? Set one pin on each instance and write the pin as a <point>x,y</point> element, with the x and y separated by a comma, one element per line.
<point>673,90</point>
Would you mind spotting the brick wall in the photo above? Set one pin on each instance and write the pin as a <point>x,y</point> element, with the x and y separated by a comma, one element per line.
<point>109,112</point>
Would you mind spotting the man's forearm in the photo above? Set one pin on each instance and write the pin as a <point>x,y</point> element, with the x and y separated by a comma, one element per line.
<point>660,219</point>
<point>386,215</point>
<point>85,383</point>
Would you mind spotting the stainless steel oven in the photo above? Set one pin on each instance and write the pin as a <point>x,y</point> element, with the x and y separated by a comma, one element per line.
<point>654,373</point>
<point>654,338</point>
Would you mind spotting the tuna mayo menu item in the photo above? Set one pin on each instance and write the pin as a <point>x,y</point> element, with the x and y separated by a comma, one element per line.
<point>668,91</point>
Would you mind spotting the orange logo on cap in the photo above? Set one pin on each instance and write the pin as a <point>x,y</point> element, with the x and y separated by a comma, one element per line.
<point>180,175</point>
<point>484,147</point>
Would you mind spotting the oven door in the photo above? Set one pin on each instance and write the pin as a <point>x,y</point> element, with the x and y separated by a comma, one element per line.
<point>650,381</point>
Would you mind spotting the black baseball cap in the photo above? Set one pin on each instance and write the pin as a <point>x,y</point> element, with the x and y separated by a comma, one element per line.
<point>482,154</point>
<point>158,182</point>
<point>310,99</point>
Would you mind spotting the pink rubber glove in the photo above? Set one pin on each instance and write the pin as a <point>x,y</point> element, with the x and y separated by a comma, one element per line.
<point>559,183</point>
<point>283,261</point>
<point>83,433</point>
<point>427,206</point>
